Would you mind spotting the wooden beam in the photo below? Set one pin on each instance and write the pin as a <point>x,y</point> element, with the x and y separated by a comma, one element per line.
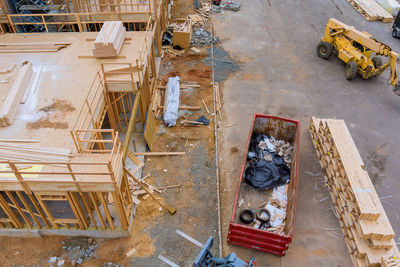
<point>131,125</point>
<point>159,153</point>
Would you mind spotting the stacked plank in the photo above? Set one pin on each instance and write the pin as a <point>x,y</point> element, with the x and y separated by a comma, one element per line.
<point>32,47</point>
<point>204,11</point>
<point>368,232</point>
<point>14,96</point>
<point>371,10</point>
<point>23,152</point>
<point>109,40</point>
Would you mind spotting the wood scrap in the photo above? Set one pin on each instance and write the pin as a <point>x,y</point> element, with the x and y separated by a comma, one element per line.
<point>19,140</point>
<point>159,153</point>
<point>11,103</point>
<point>204,103</point>
<point>32,47</point>
<point>130,252</point>
<point>169,208</point>
<point>218,102</point>
<point>8,70</point>
<point>109,40</point>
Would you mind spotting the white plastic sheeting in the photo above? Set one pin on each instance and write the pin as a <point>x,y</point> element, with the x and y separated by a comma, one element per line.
<point>171,101</point>
<point>391,6</point>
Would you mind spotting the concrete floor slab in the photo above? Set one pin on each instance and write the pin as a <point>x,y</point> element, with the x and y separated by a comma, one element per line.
<point>275,44</point>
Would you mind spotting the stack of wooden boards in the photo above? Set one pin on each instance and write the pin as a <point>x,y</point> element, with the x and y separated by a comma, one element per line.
<point>371,10</point>
<point>109,40</point>
<point>24,152</point>
<point>9,106</point>
<point>32,47</point>
<point>368,232</point>
<point>204,11</point>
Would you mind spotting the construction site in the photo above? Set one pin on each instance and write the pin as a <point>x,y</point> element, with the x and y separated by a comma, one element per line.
<point>199,133</point>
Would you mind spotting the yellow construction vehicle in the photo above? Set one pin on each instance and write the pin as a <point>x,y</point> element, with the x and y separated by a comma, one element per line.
<point>356,49</point>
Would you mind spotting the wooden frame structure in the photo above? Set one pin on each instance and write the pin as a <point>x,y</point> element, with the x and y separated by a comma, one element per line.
<point>89,15</point>
<point>90,184</point>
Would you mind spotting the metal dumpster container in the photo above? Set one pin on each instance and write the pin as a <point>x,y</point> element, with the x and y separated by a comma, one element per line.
<point>258,239</point>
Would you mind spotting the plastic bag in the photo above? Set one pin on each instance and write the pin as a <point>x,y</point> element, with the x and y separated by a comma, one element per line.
<point>172,101</point>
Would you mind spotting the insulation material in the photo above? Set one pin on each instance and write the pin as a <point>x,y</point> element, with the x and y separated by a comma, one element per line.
<point>390,6</point>
<point>171,101</point>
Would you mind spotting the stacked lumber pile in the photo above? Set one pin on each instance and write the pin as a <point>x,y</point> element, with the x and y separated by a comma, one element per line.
<point>23,152</point>
<point>32,47</point>
<point>204,11</point>
<point>367,230</point>
<point>109,40</point>
<point>197,20</point>
<point>371,10</point>
<point>10,104</point>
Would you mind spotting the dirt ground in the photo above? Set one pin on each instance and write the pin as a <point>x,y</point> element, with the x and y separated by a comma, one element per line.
<point>153,230</point>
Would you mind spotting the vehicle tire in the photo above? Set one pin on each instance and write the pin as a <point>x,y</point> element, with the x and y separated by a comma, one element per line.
<point>247,216</point>
<point>377,61</point>
<point>351,70</point>
<point>394,33</point>
<point>324,50</point>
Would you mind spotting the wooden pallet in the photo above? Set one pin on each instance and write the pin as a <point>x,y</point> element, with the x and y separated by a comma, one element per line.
<point>371,10</point>
<point>367,230</point>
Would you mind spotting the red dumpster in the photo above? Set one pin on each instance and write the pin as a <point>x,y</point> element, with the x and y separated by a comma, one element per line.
<point>250,236</point>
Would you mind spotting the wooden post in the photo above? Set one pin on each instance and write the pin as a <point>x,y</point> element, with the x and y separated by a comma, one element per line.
<point>47,211</point>
<point>96,207</point>
<point>22,213</point>
<point>23,200</point>
<point>105,208</point>
<point>117,200</point>
<point>130,125</point>
<point>11,215</point>
<point>78,20</point>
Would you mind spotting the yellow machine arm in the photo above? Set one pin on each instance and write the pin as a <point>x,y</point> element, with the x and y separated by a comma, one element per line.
<point>335,27</point>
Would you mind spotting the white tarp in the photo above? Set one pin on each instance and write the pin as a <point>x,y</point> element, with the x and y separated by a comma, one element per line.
<point>171,101</point>
<point>391,6</point>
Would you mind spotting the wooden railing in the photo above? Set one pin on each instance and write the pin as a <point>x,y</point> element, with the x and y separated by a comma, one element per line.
<point>81,20</point>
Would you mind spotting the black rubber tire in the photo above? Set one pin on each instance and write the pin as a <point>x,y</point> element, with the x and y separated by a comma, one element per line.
<point>247,216</point>
<point>377,61</point>
<point>324,50</point>
<point>351,70</point>
<point>261,218</point>
<point>394,33</point>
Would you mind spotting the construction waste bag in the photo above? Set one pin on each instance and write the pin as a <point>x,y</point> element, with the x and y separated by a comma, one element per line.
<point>391,6</point>
<point>171,101</point>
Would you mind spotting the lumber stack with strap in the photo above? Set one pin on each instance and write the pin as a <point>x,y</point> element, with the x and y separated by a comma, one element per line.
<point>10,105</point>
<point>367,230</point>
<point>371,10</point>
<point>109,40</point>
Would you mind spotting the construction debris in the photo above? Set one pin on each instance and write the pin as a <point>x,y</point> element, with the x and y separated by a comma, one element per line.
<point>231,5</point>
<point>109,40</point>
<point>201,37</point>
<point>267,165</point>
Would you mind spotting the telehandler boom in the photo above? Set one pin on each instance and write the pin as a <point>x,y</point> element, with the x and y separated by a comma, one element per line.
<point>356,49</point>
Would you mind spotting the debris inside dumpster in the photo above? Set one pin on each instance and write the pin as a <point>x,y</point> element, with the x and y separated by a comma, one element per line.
<point>231,5</point>
<point>269,162</point>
